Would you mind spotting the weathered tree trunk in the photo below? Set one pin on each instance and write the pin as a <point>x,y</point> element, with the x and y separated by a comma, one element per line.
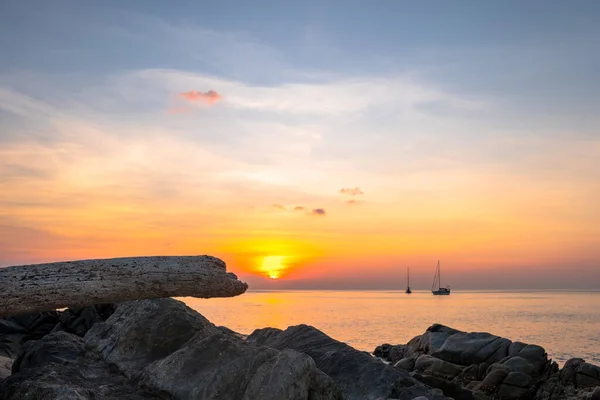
<point>44,287</point>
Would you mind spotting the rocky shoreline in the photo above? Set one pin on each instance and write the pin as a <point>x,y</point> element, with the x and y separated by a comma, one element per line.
<point>162,349</point>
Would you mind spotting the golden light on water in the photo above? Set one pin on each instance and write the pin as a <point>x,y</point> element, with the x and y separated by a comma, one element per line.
<point>273,266</point>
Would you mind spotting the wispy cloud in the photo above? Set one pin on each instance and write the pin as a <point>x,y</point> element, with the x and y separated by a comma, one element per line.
<point>318,211</point>
<point>352,191</point>
<point>298,208</point>
<point>209,97</point>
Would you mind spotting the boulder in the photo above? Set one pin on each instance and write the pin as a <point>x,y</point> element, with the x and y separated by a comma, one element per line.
<point>10,344</point>
<point>569,371</point>
<point>141,332</point>
<point>79,320</point>
<point>588,375</point>
<point>57,368</point>
<point>214,366</point>
<point>356,373</point>
<point>520,364</point>
<point>5,367</point>
<point>434,366</point>
<point>163,344</point>
<point>472,348</point>
<point>382,351</point>
<point>449,388</point>
<point>406,364</point>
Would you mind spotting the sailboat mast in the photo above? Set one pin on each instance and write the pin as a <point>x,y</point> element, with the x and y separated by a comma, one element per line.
<point>439,275</point>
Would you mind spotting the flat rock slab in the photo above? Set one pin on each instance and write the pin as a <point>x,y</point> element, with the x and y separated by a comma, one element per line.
<point>45,287</point>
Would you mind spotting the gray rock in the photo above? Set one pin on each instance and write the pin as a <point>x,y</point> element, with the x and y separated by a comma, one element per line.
<point>10,344</point>
<point>569,371</point>
<point>588,375</point>
<point>5,367</point>
<point>57,368</point>
<point>595,394</point>
<point>215,366</point>
<point>450,389</point>
<point>356,373</point>
<point>166,345</point>
<point>520,364</point>
<point>144,331</point>
<point>434,366</point>
<point>398,352</point>
<point>406,364</point>
<point>79,320</point>
<point>382,351</point>
<point>518,379</point>
<point>472,348</point>
<point>493,379</point>
<point>515,348</point>
<point>509,392</point>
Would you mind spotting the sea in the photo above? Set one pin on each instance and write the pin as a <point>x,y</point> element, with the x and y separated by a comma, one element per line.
<point>565,323</point>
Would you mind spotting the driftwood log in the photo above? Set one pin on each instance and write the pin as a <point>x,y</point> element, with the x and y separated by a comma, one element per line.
<point>46,287</point>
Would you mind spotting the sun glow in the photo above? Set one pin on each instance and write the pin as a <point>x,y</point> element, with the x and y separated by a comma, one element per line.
<point>273,266</point>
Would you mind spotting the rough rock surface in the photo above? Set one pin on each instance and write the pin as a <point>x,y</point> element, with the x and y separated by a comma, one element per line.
<point>356,373</point>
<point>170,347</point>
<point>83,283</point>
<point>57,367</point>
<point>484,366</point>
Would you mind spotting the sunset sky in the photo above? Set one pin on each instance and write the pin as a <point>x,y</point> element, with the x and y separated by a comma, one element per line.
<point>327,144</point>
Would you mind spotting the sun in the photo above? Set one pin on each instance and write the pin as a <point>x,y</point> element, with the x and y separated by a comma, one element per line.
<point>273,266</point>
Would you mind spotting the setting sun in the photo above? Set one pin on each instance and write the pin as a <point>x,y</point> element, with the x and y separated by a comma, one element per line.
<point>273,266</point>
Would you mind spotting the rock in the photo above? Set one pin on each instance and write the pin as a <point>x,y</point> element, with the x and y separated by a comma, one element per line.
<point>357,374</point>
<point>434,366</point>
<point>44,287</point>
<point>493,379</point>
<point>10,345</point>
<point>56,367</point>
<point>398,352</point>
<point>5,367</point>
<point>382,351</point>
<point>595,394</point>
<point>432,339</point>
<point>519,364</point>
<point>569,371</point>
<point>450,389</point>
<point>141,332</point>
<point>406,364</point>
<point>472,348</point>
<point>79,320</point>
<point>508,392</point>
<point>518,379</point>
<point>8,326</point>
<point>515,348</point>
<point>588,375</point>
<point>213,366</point>
<point>165,345</point>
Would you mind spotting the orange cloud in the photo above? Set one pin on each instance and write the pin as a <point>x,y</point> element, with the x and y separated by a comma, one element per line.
<point>318,211</point>
<point>298,208</point>
<point>351,191</point>
<point>209,97</point>
<point>354,202</point>
<point>278,207</point>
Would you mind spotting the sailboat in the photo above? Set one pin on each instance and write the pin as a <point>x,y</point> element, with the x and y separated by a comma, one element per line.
<point>408,291</point>
<point>437,279</point>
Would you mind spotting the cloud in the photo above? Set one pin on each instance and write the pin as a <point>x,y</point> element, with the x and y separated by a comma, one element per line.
<point>298,208</point>
<point>209,97</point>
<point>278,207</point>
<point>352,191</point>
<point>318,211</point>
<point>354,202</point>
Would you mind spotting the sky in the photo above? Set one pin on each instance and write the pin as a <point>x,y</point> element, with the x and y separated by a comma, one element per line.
<point>316,144</point>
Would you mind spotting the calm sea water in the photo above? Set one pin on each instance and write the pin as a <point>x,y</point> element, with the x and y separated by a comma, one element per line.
<point>566,324</point>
